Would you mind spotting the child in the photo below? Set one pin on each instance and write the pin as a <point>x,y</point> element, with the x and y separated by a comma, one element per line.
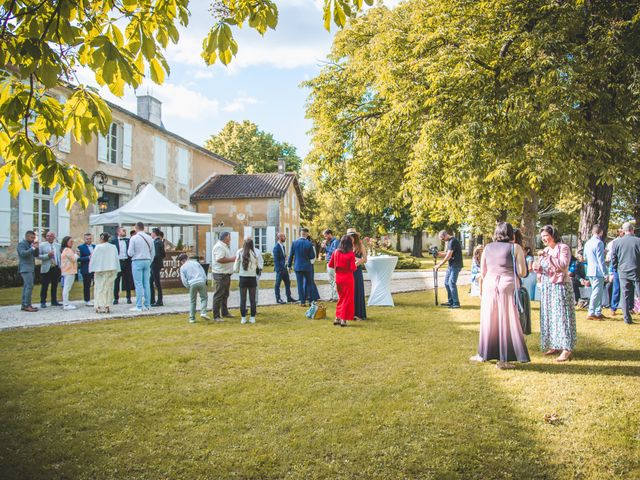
<point>475,271</point>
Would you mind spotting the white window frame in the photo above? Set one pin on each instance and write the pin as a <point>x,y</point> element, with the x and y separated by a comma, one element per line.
<point>39,198</point>
<point>160,163</point>
<point>117,138</point>
<point>260,238</point>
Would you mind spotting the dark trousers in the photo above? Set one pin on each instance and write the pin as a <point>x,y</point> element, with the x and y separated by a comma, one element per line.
<point>221,294</point>
<point>615,292</point>
<point>124,280</point>
<point>283,276</point>
<point>243,300</point>
<point>52,277</point>
<point>155,282</point>
<point>305,285</point>
<point>87,279</point>
<point>627,288</point>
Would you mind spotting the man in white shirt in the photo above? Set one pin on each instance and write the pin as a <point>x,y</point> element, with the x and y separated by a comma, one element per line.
<point>193,277</point>
<point>49,269</point>
<point>222,268</point>
<point>141,250</point>
<point>123,278</point>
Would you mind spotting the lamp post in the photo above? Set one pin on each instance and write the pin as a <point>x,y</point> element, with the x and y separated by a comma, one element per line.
<point>99,180</point>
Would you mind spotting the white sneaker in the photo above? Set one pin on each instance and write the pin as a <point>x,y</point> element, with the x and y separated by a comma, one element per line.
<point>192,320</point>
<point>243,320</point>
<point>69,307</point>
<point>146,309</point>
<point>204,316</point>
<point>136,309</point>
<point>252,320</point>
<point>89,304</point>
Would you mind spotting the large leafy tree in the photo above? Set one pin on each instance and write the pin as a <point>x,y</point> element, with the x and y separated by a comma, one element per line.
<point>254,150</point>
<point>44,43</point>
<point>507,104</point>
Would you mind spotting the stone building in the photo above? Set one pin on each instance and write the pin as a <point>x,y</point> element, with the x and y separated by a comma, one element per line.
<point>136,151</point>
<point>259,205</point>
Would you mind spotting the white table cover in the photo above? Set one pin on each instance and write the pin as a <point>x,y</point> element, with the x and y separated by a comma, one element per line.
<point>380,270</point>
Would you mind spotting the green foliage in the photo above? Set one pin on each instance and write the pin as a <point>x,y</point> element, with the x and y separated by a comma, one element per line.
<point>254,150</point>
<point>44,43</point>
<point>267,257</point>
<point>464,110</point>
<point>405,261</point>
<point>10,276</point>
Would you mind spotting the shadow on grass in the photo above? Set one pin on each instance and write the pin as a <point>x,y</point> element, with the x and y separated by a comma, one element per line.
<point>581,369</point>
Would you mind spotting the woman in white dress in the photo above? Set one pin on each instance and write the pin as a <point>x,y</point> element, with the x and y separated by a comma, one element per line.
<point>105,265</point>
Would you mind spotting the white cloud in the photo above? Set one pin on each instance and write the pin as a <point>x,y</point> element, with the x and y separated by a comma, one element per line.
<point>240,103</point>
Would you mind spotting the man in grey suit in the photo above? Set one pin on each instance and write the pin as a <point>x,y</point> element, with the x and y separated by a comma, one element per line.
<point>27,253</point>
<point>49,269</point>
<point>626,260</point>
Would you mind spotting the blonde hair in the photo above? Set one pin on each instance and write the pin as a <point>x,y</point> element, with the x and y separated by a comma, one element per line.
<point>477,252</point>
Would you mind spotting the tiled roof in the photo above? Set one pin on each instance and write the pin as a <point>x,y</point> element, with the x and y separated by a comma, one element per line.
<point>259,185</point>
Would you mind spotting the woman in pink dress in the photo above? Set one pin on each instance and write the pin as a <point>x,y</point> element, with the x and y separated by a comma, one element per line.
<point>501,336</point>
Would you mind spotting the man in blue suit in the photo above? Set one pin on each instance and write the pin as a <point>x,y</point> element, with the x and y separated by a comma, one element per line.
<point>594,254</point>
<point>280,267</point>
<point>300,257</point>
<point>86,250</point>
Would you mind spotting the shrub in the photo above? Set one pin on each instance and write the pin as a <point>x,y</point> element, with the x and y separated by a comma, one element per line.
<point>10,277</point>
<point>268,259</point>
<point>407,263</point>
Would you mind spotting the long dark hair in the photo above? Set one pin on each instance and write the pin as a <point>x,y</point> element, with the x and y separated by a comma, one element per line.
<point>503,232</point>
<point>346,244</point>
<point>517,237</point>
<point>553,231</point>
<point>64,243</point>
<point>247,251</point>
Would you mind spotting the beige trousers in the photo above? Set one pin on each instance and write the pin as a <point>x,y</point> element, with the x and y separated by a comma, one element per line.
<point>103,288</point>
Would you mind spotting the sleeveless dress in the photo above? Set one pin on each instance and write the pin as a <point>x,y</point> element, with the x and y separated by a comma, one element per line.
<point>344,265</point>
<point>501,336</point>
<point>359,301</point>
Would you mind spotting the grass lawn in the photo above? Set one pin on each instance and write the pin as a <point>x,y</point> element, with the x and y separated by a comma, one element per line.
<point>393,397</point>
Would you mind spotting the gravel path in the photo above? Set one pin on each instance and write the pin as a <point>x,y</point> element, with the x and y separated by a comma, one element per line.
<point>11,317</point>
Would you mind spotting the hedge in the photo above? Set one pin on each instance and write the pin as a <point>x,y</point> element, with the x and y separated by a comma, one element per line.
<point>405,261</point>
<point>10,277</point>
<point>268,259</point>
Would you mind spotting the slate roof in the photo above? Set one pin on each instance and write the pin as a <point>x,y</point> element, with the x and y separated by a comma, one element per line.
<point>259,185</point>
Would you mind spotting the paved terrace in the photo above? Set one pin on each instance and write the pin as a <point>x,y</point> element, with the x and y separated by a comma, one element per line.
<point>11,317</point>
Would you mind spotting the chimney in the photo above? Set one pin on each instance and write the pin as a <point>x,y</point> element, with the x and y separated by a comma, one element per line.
<point>150,108</point>
<point>281,166</point>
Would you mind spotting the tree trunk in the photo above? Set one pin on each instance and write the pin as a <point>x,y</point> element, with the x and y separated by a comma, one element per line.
<point>472,244</point>
<point>416,251</point>
<point>529,222</point>
<point>398,242</point>
<point>596,209</point>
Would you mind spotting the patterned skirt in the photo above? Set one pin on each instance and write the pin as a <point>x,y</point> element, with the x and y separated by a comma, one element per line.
<point>557,316</point>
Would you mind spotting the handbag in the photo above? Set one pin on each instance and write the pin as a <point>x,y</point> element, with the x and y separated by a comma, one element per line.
<point>317,311</point>
<point>522,299</point>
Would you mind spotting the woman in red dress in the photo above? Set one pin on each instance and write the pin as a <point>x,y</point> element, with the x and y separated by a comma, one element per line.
<point>343,260</point>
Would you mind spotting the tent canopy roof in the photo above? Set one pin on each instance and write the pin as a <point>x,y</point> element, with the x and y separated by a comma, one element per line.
<point>150,207</point>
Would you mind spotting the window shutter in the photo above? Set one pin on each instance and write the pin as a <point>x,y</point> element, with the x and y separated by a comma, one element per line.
<point>5,215</point>
<point>102,148</point>
<point>234,243</point>
<point>248,232</point>
<point>183,166</point>
<point>271,238</point>
<point>127,143</point>
<point>64,219</point>
<point>160,157</point>
<point>25,208</point>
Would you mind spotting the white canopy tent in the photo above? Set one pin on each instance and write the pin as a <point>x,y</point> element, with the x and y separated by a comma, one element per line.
<point>151,207</point>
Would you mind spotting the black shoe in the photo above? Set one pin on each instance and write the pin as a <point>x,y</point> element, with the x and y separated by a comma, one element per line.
<point>43,305</point>
<point>228,315</point>
<point>129,301</point>
<point>292,300</point>
<point>454,306</point>
<point>115,302</point>
<point>157,304</point>
<point>56,304</point>
<point>445,305</point>
<point>280,301</point>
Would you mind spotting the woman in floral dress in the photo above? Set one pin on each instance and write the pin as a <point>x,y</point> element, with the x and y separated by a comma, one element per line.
<point>557,312</point>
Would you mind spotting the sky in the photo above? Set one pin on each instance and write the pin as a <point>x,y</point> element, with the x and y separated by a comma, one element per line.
<point>262,83</point>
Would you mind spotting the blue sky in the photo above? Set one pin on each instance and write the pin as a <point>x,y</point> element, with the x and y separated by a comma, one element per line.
<point>261,84</point>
